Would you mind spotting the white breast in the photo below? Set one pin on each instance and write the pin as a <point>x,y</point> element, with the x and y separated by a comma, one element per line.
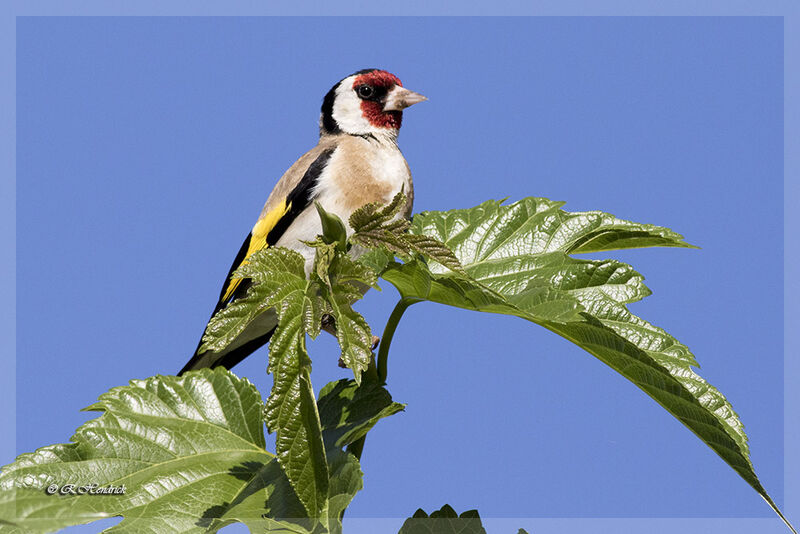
<point>390,167</point>
<point>359,171</point>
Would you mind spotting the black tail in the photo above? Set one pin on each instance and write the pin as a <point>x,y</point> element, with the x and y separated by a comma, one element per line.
<point>228,358</point>
<point>296,201</point>
<point>225,359</point>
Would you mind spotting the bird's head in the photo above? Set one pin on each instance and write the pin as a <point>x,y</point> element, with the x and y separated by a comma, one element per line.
<point>371,101</point>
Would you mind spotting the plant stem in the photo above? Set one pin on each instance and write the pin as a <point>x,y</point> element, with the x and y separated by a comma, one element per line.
<point>388,334</point>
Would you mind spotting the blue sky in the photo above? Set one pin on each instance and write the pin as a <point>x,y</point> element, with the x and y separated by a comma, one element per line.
<point>147,146</point>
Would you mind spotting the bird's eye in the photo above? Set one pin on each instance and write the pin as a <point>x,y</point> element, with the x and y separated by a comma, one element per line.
<point>365,91</point>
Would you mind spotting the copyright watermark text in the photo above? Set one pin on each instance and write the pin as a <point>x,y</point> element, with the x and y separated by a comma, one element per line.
<point>84,489</point>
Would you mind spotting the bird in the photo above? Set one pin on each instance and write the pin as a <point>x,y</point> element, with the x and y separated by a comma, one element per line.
<point>356,161</point>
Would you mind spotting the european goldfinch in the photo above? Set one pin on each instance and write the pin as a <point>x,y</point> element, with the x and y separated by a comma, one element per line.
<point>356,161</point>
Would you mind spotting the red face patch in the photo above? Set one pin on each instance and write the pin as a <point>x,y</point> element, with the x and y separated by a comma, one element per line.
<point>372,110</point>
<point>378,78</point>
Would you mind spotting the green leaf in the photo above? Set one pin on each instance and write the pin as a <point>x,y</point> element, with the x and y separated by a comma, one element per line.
<point>353,334</point>
<point>229,322</point>
<point>188,450</point>
<point>279,284</point>
<point>346,481</point>
<point>272,274</point>
<point>346,270</point>
<point>333,230</point>
<point>517,260</point>
<point>343,281</point>
<point>375,215</point>
<point>492,232</point>
<point>385,227</point>
<point>279,277</point>
<point>443,521</point>
<point>348,411</point>
<point>414,281</point>
<point>376,259</point>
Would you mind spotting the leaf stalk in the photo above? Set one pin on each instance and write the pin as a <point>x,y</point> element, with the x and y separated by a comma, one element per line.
<point>388,334</point>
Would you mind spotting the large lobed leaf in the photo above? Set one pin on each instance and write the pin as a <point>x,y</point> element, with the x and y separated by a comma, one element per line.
<point>517,261</point>
<point>188,450</point>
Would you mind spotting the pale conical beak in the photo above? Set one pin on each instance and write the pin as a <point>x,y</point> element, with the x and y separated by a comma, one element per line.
<point>400,98</point>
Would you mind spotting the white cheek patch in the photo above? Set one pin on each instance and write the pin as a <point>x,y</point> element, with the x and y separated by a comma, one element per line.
<point>347,110</point>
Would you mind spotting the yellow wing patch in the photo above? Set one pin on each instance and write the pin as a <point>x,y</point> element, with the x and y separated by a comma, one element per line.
<point>258,239</point>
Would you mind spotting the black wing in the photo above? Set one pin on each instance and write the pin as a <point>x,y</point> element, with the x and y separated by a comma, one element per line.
<point>296,201</point>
